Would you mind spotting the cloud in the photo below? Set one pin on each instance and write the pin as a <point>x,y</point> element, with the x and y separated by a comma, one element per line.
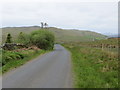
<point>99,17</point>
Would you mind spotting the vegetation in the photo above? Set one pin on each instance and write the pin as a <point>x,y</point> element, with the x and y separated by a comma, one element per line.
<point>30,46</point>
<point>94,67</point>
<point>95,63</point>
<point>113,42</point>
<point>9,56</point>
<point>111,45</point>
<point>42,39</point>
<point>23,38</point>
<point>61,35</point>
<point>9,38</point>
<point>13,59</point>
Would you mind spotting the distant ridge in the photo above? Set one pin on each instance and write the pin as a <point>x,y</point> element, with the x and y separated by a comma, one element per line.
<point>113,36</point>
<point>61,35</point>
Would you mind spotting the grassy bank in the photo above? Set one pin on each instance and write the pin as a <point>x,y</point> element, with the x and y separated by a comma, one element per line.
<point>93,67</point>
<point>25,48</point>
<point>16,61</point>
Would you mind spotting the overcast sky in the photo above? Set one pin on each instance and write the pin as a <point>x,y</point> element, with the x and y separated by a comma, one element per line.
<point>100,17</point>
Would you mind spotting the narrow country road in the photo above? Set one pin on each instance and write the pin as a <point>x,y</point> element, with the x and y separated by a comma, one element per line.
<point>51,70</point>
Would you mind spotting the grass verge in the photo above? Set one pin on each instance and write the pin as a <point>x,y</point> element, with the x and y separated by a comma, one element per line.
<point>93,68</point>
<point>16,63</point>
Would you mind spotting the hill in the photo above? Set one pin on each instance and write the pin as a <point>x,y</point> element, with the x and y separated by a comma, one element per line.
<point>62,35</point>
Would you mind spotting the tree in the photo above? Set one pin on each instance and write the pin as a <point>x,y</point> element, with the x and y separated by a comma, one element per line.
<point>45,24</point>
<point>9,38</point>
<point>42,24</point>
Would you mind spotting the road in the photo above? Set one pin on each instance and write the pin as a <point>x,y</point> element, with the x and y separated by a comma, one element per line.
<point>51,70</point>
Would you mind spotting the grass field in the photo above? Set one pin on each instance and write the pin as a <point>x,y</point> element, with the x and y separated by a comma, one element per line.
<point>93,67</point>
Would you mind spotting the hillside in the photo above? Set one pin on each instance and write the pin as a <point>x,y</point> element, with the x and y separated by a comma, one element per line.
<point>62,35</point>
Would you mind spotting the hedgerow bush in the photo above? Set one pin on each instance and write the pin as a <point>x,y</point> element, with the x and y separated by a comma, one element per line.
<point>43,39</point>
<point>23,38</point>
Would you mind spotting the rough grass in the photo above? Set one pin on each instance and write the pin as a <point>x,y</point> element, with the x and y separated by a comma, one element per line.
<point>29,55</point>
<point>0,61</point>
<point>94,68</point>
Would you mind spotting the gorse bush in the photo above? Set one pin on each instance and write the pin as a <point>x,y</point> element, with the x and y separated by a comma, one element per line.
<point>42,39</point>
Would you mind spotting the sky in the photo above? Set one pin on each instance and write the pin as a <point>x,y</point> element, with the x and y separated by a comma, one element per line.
<point>99,16</point>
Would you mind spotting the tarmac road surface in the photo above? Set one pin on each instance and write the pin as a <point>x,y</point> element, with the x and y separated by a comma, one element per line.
<point>51,70</point>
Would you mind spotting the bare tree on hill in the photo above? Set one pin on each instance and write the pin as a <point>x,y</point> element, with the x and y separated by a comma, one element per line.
<point>45,24</point>
<point>42,24</point>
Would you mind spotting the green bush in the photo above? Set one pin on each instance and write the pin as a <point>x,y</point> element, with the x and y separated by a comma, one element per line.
<point>23,38</point>
<point>9,37</point>
<point>43,39</point>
